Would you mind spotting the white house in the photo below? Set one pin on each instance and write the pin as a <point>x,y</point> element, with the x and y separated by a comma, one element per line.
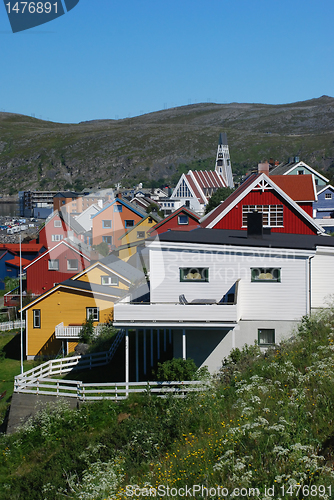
<point>212,290</point>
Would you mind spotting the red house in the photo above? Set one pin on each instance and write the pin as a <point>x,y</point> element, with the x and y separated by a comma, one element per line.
<point>180,220</point>
<point>285,202</point>
<point>58,227</point>
<point>57,264</point>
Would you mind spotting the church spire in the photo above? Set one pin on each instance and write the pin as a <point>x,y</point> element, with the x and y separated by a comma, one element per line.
<point>223,162</point>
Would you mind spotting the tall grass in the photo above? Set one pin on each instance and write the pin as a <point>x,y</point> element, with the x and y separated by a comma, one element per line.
<point>266,427</point>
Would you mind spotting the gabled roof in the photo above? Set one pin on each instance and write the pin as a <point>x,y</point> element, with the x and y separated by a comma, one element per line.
<point>177,212</point>
<point>298,187</point>
<point>286,168</point>
<point>80,286</point>
<point>124,203</point>
<point>117,266</point>
<point>321,189</point>
<point>156,218</point>
<point>25,247</point>
<point>208,179</point>
<point>67,194</point>
<point>52,249</point>
<point>71,222</point>
<point>253,181</point>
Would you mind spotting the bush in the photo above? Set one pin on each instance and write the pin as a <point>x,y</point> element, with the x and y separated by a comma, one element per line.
<point>87,331</point>
<point>180,369</point>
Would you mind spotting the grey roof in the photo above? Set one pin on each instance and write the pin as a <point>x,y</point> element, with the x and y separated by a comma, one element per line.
<point>223,139</point>
<point>74,224</point>
<point>67,194</point>
<point>283,168</point>
<point>92,287</point>
<point>239,238</point>
<point>123,268</point>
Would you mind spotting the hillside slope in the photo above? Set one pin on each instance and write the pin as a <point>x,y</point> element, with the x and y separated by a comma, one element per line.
<point>35,154</point>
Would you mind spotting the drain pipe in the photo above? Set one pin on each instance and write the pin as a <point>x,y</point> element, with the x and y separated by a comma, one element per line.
<point>309,283</point>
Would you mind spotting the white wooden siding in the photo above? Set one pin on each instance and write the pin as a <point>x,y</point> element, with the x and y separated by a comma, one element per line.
<point>322,278</point>
<point>286,300</point>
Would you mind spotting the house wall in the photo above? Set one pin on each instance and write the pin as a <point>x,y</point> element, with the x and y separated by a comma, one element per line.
<point>173,224</point>
<point>41,279</point>
<point>294,171</point>
<point>292,220</point>
<point>94,276</point>
<point>257,300</point>
<point>219,342</point>
<point>117,223</point>
<point>322,281</point>
<point>46,233</point>
<point>131,236</point>
<point>62,305</point>
<point>324,206</point>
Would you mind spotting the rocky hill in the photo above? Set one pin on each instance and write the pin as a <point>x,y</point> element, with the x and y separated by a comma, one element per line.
<point>36,154</point>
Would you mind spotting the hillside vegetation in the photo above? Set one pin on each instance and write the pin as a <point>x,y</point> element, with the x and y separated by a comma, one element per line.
<point>265,422</point>
<point>156,147</point>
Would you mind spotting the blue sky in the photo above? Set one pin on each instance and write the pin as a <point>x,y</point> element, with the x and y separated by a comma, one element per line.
<point>120,58</point>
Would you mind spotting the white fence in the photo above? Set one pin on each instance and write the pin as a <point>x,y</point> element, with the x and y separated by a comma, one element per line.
<point>67,332</point>
<point>10,325</point>
<point>113,391</point>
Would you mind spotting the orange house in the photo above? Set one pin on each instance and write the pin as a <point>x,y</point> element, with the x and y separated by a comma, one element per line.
<point>113,221</point>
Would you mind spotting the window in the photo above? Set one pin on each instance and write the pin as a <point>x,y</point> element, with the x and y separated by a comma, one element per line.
<point>57,223</point>
<point>53,265</point>
<point>272,215</point>
<point>183,191</point>
<point>265,274</point>
<point>328,196</point>
<point>129,223</point>
<point>118,208</point>
<point>107,239</point>
<point>183,219</point>
<point>300,172</point>
<point>266,336</point>
<point>56,237</point>
<point>140,234</point>
<point>92,312</point>
<point>72,264</point>
<point>37,318</point>
<point>194,274</point>
<point>106,224</point>
<point>109,280</point>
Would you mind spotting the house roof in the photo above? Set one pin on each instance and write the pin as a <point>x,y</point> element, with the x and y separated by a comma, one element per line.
<point>67,194</point>
<point>53,249</point>
<point>71,222</point>
<point>123,268</point>
<point>284,169</point>
<point>298,187</point>
<point>321,189</point>
<point>81,286</point>
<point>25,247</point>
<point>177,212</point>
<point>253,181</point>
<point>16,261</point>
<point>124,203</point>
<point>156,218</point>
<point>240,238</point>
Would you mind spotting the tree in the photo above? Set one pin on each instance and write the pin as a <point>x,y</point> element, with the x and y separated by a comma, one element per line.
<point>220,195</point>
<point>102,248</point>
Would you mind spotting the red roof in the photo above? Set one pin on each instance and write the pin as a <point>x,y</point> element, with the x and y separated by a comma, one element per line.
<point>25,247</point>
<point>16,262</point>
<point>208,179</point>
<point>298,187</point>
<point>218,210</point>
<point>177,212</point>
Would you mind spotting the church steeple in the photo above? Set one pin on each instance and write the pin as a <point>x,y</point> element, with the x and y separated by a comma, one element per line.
<point>223,162</point>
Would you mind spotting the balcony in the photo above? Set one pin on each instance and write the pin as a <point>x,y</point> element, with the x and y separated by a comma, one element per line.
<point>160,315</point>
<point>73,331</point>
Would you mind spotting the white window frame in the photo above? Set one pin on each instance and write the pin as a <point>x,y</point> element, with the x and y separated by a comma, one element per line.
<point>51,266</point>
<point>36,318</point>
<point>182,223</point>
<point>272,215</point>
<point>57,237</point>
<point>109,280</point>
<point>93,312</point>
<point>328,196</point>
<point>57,223</point>
<point>69,267</point>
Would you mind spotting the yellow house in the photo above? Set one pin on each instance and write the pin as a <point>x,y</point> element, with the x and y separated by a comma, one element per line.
<point>130,240</point>
<point>53,320</point>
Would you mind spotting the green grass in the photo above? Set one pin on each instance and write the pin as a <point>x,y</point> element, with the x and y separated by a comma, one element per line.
<point>10,366</point>
<point>266,421</point>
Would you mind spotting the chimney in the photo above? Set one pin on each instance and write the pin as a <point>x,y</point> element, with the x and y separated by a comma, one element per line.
<point>254,225</point>
<point>263,168</point>
<point>119,195</point>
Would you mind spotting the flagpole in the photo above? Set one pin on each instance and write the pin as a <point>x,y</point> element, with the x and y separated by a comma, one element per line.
<point>21,302</point>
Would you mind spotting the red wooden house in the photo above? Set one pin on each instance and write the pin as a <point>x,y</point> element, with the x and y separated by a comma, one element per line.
<point>58,227</point>
<point>57,264</point>
<point>285,202</point>
<point>182,219</point>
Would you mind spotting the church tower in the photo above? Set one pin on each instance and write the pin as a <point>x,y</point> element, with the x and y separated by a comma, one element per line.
<point>223,162</point>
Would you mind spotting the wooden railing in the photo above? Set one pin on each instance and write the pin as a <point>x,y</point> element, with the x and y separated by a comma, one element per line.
<point>114,391</point>
<point>67,332</point>
<point>10,325</point>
